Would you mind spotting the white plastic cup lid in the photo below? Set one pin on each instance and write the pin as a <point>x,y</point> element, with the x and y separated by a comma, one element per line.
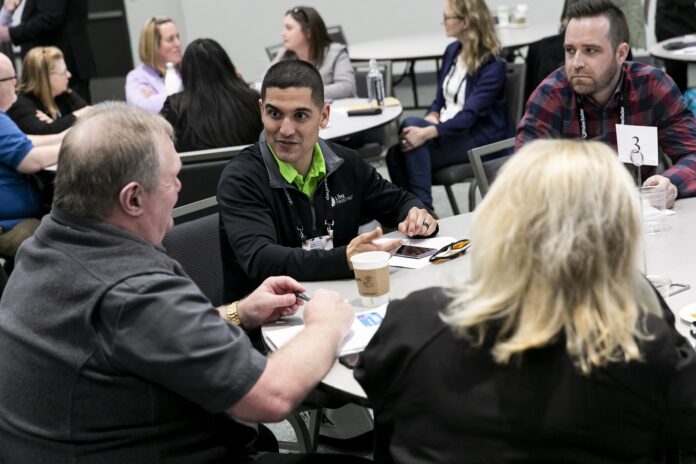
<point>370,260</point>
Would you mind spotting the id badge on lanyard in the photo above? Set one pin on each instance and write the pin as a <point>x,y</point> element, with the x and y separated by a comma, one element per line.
<point>323,242</point>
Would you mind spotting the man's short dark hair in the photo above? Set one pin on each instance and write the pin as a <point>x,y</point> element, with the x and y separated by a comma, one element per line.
<point>618,26</point>
<point>294,73</point>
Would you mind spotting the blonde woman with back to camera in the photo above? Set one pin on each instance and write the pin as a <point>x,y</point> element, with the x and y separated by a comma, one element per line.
<point>45,104</point>
<point>555,348</point>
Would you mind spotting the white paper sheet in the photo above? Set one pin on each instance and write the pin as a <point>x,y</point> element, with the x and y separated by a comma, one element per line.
<point>365,324</point>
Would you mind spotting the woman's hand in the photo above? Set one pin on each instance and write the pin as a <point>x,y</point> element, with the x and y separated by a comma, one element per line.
<point>413,137</point>
<point>11,5</point>
<point>43,117</point>
<point>81,111</point>
<point>433,117</point>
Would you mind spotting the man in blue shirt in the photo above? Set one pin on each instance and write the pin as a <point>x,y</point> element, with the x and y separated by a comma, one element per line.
<point>20,156</point>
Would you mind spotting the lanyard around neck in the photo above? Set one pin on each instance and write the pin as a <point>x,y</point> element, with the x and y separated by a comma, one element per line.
<point>582,119</point>
<point>299,226</point>
<point>450,75</point>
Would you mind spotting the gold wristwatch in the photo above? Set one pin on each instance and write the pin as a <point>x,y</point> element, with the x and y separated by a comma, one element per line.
<point>231,313</point>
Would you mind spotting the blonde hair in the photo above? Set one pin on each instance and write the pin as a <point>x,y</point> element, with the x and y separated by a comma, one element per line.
<point>554,257</point>
<point>37,67</point>
<point>150,38</point>
<point>480,38</point>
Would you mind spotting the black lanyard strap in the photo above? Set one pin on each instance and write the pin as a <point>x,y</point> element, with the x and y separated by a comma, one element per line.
<point>450,75</point>
<point>582,119</point>
<point>299,226</point>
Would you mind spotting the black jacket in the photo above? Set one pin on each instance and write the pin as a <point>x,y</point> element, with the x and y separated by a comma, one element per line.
<point>674,18</point>
<point>23,113</point>
<point>61,23</point>
<point>437,398</point>
<point>258,231</point>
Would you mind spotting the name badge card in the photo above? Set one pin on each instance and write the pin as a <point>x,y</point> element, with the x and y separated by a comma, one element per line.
<point>637,144</point>
<point>324,242</point>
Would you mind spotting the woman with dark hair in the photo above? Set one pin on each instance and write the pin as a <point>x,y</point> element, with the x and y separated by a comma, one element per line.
<point>216,108</point>
<point>305,38</point>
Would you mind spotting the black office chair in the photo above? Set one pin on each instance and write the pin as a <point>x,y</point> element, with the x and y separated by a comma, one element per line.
<point>486,161</point>
<point>194,242</point>
<point>463,172</point>
<point>337,35</point>
<point>200,172</point>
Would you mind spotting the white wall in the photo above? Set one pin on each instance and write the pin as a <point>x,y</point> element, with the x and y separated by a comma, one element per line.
<point>245,27</point>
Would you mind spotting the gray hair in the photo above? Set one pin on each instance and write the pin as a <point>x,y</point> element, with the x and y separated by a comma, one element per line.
<point>112,145</point>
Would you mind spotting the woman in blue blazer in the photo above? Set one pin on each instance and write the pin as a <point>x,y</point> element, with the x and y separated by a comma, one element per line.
<point>469,109</point>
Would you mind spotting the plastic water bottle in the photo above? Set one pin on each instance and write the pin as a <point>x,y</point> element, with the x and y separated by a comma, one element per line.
<point>172,81</point>
<point>375,84</point>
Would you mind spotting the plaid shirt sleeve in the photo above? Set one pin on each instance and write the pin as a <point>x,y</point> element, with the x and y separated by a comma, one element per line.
<point>544,113</point>
<point>676,132</point>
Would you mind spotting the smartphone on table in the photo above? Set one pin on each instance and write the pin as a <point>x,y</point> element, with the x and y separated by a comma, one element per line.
<point>415,252</point>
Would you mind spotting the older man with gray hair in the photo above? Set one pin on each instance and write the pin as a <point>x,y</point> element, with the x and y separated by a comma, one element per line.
<point>20,156</point>
<point>110,353</point>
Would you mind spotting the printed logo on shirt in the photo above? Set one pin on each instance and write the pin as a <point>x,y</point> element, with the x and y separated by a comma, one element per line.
<point>340,199</point>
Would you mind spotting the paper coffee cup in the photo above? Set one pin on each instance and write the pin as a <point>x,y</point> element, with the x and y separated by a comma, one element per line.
<point>372,276</point>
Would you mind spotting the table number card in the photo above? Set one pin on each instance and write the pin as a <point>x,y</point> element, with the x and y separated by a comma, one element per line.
<point>637,144</point>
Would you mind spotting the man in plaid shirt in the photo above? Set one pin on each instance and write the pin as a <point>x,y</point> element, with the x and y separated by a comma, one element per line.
<point>597,89</point>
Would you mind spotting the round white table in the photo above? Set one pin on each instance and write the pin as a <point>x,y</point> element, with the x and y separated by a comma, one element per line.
<point>342,125</point>
<point>432,45</point>
<point>670,254</point>
<point>687,54</point>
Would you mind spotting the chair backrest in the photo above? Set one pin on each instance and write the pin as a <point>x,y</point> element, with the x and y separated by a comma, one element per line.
<point>337,35</point>
<point>272,50</point>
<point>200,172</point>
<point>514,90</point>
<point>195,244</point>
<point>362,68</point>
<point>487,160</point>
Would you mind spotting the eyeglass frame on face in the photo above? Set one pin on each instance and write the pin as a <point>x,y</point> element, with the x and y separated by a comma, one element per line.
<point>447,18</point>
<point>5,79</point>
<point>452,251</point>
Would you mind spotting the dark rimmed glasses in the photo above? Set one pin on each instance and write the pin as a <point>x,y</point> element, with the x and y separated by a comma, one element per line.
<point>451,251</point>
<point>5,79</point>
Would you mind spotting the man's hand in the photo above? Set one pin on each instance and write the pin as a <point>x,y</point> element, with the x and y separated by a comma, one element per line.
<point>418,222</point>
<point>274,298</point>
<point>658,180</point>
<point>329,311</point>
<point>413,137</point>
<point>363,243</point>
